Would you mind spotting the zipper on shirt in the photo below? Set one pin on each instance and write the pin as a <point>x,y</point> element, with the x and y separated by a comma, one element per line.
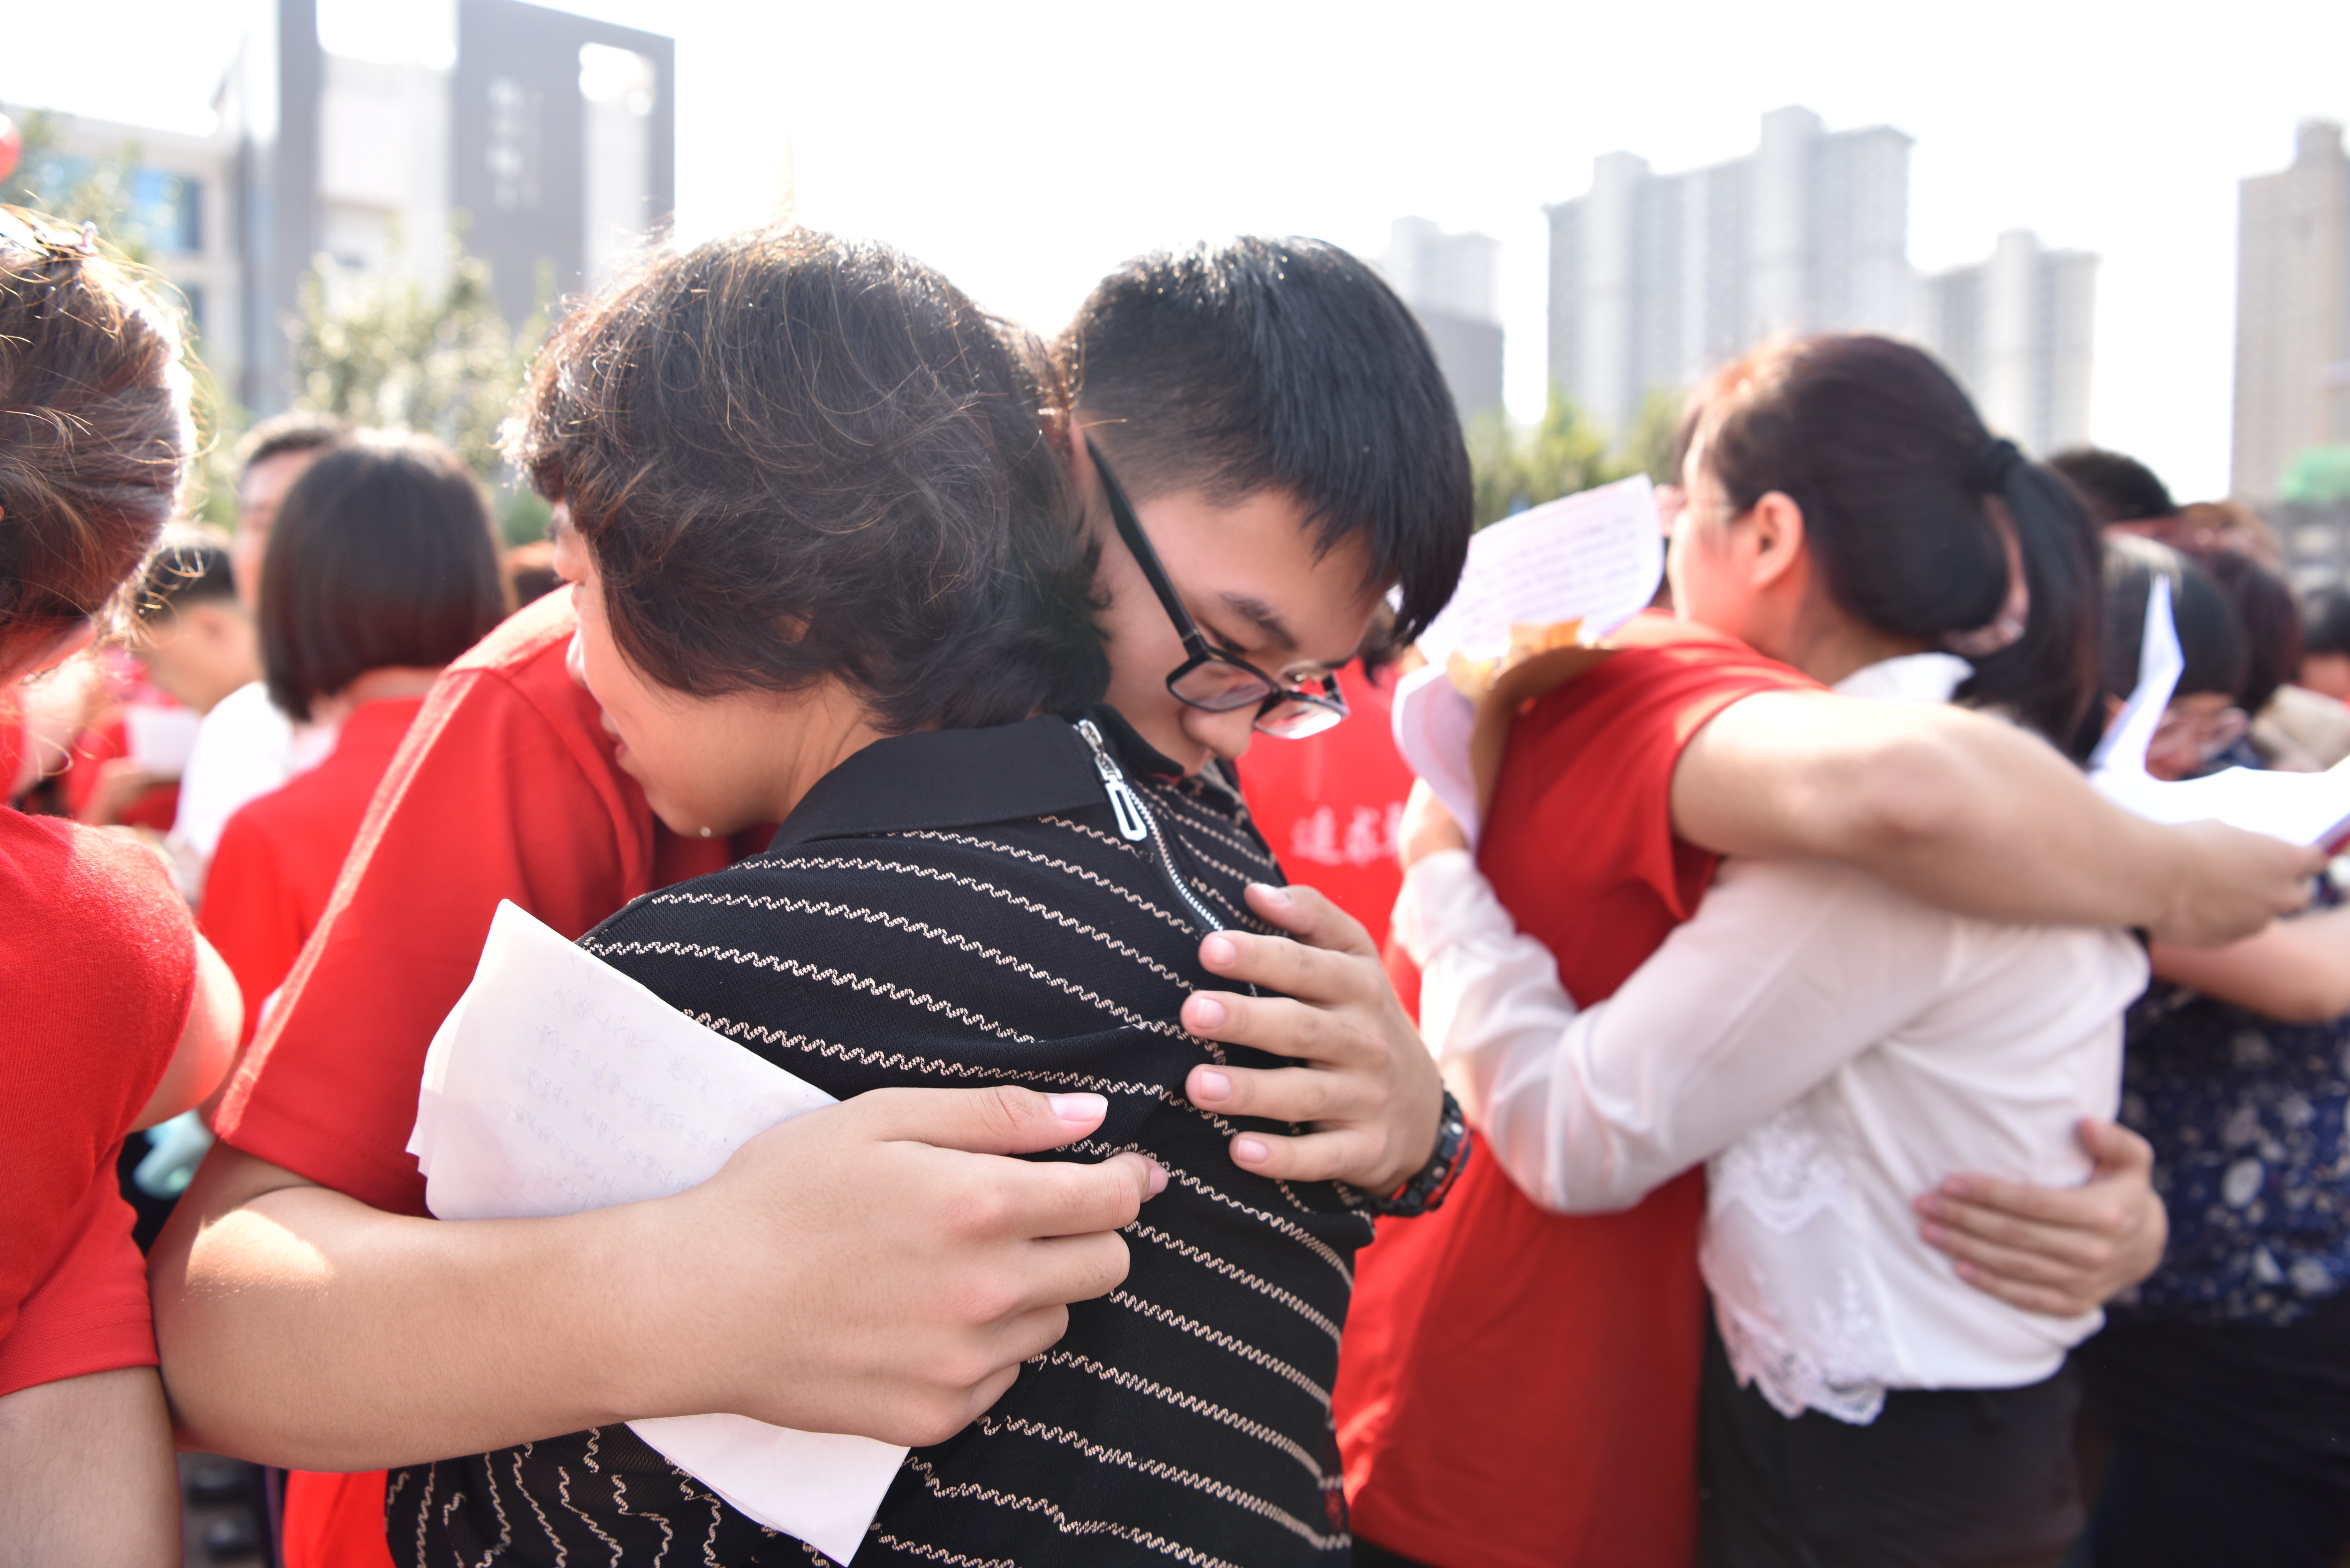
<point>1136,822</point>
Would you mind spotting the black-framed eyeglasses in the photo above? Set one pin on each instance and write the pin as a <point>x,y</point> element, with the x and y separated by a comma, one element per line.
<point>1219,682</point>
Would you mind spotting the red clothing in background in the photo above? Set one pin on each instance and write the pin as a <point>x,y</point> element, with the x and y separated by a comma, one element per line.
<point>278,856</point>
<point>12,752</point>
<point>100,744</point>
<point>1328,804</point>
<point>1518,1388</point>
<point>98,967</point>
<point>505,787</point>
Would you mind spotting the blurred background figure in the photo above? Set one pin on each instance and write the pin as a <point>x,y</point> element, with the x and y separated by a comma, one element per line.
<point>247,746</point>
<point>530,571</point>
<point>383,566</point>
<point>2325,644</point>
<point>2115,488</point>
<point>2287,726</point>
<point>2221,1384</point>
<point>194,643</point>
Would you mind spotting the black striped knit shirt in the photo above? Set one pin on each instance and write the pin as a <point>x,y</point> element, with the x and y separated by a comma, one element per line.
<point>965,908</point>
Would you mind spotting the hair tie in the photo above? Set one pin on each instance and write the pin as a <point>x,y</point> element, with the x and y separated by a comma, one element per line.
<point>1991,466</point>
<point>2004,629</point>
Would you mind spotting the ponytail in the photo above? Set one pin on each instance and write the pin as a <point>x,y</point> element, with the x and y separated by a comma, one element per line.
<point>1923,525</point>
<point>2047,676</point>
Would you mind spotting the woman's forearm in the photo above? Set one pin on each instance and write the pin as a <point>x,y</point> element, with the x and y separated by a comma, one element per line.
<point>2297,971</point>
<point>1969,813</point>
<point>86,1476</point>
<point>875,1268</point>
<point>301,1327</point>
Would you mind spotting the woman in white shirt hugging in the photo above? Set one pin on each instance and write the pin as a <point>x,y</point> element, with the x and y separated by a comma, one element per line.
<point>1828,1045</point>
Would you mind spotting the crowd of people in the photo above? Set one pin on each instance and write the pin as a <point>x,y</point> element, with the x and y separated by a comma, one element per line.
<point>1808,1125</point>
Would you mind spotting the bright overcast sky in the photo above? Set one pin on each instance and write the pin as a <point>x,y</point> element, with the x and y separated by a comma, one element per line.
<point>1025,149</point>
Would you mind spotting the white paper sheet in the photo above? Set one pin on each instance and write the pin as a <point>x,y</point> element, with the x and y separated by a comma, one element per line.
<point>558,1084</point>
<point>1596,557</point>
<point>2301,808</point>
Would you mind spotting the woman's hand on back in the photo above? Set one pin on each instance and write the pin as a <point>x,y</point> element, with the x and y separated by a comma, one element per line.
<point>1365,1080</point>
<point>884,1271</point>
<point>875,1267</point>
<point>2058,1251</point>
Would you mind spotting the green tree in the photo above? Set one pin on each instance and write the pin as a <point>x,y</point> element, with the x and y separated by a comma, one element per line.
<point>1517,467</point>
<point>386,352</point>
<point>1647,447</point>
<point>2318,476</point>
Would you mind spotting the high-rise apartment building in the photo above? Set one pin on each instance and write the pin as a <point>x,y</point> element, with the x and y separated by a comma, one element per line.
<point>1657,278</point>
<point>2016,330</point>
<point>1451,283</point>
<point>2293,312</point>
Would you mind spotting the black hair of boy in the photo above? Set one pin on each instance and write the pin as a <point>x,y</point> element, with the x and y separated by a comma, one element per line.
<point>383,553</point>
<point>1281,365</point>
<point>300,430</point>
<point>189,567</point>
<point>2115,487</point>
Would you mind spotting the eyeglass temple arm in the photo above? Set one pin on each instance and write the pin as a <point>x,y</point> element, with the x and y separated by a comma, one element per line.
<point>1138,544</point>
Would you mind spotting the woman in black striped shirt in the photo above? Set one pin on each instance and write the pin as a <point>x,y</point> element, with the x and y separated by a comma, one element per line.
<point>830,573</point>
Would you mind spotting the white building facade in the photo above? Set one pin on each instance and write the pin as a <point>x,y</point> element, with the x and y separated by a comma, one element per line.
<point>1451,281</point>
<point>2293,313</point>
<point>2018,331</point>
<point>1658,279</point>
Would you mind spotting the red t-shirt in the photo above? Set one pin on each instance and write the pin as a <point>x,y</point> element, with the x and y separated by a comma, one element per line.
<point>98,964</point>
<point>505,787</point>
<point>1329,804</point>
<point>278,856</point>
<point>1519,1388</point>
<point>12,752</point>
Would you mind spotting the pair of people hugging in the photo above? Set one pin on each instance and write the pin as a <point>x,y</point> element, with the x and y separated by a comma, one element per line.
<point>841,546</point>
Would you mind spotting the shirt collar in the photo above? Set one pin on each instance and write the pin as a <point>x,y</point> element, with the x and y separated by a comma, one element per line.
<point>964,778</point>
<point>1910,678</point>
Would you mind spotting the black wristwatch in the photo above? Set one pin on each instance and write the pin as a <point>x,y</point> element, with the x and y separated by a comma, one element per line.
<point>1426,1191</point>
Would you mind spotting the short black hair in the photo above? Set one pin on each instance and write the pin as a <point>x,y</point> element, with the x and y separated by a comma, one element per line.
<point>2326,622</point>
<point>2116,489</point>
<point>384,554</point>
<point>301,430</point>
<point>189,565</point>
<point>1282,364</point>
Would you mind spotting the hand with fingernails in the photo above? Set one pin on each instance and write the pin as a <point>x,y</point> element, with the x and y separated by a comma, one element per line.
<point>1364,1082</point>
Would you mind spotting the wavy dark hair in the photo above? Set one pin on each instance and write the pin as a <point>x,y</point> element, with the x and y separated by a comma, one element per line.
<point>95,433</point>
<point>1905,497</point>
<point>796,457</point>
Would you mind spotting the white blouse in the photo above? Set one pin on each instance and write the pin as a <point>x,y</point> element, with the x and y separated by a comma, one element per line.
<point>1830,1047</point>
